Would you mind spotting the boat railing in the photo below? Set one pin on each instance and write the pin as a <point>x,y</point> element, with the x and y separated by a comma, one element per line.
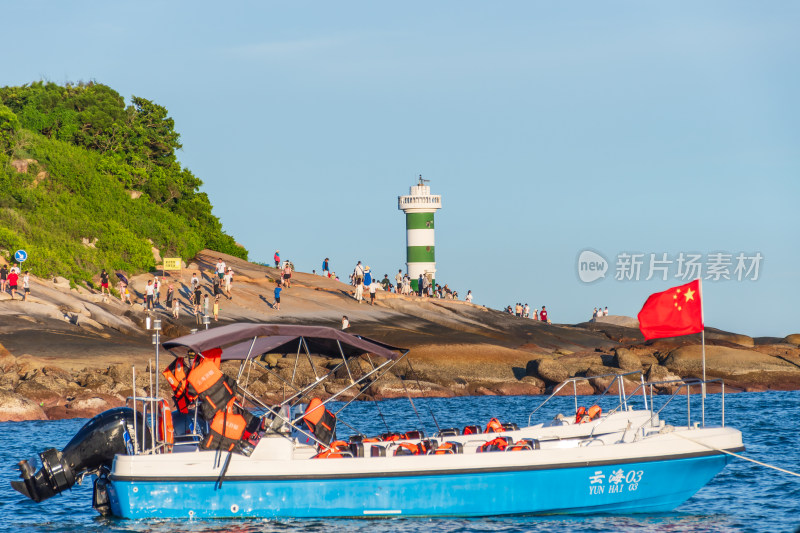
<point>155,412</point>
<point>618,380</point>
<point>680,386</point>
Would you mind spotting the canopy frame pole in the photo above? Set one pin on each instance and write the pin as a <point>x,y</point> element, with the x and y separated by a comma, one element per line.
<point>296,358</point>
<point>380,413</point>
<point>308,355</point>
<point>703,344</point>
<point>249,353</point>
<point>419,385</point>
<point>341,351</point>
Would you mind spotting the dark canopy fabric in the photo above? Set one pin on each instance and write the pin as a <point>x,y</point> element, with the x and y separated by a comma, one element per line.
<point>236,339</point>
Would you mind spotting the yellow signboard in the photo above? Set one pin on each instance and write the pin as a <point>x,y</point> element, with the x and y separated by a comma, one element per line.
<point>172,263</point>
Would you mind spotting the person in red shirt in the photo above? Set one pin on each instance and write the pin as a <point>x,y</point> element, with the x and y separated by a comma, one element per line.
<point>13,278</point>
<point>543,315</point>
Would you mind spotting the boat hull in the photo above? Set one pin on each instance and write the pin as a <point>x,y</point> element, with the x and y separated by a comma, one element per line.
<point>630,487</point>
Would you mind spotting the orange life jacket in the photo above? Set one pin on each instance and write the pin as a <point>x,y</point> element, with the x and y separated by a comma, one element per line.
<point>209,384</point>
<point>334,451</point>
<point>166,431</point>
<point>391,437</point>
<point>523,444</point>
<point>225,431</point>
<point>498,444</point>
<point>176,377</point>
<point>594,412</point>
<point>449,447</point>
<point>407,448</point>
<point>494,426</point>
<point>321,421</point>
<point>579,414</point>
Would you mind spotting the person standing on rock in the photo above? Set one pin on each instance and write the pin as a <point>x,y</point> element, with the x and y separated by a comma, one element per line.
<point>358,274</point>
<point>229,283</point>
<point>277,258</point>
<point>605,311</point>
<point>205,305</point>
<point>373,288</point>
<point>277,305</point>
<point>196,297</point>
<point>287,275</point>
<point>216,308</point>
<point>345,322</point>
<point>13,277</point>
<point>176,307</point>
<point>543,315</point>
<point>398,279</point>
<point>195,281</point>
<point>326,271</point>
<point>3,278</point>
<point>170,295</point>
<point>156,291</point>
<point>220,268</point>
<point>526,313</point>
<point>148,295</point>
<point>367,277</point>
<point>26,286</point>
<point>104,283</point>
<point>469,296</point>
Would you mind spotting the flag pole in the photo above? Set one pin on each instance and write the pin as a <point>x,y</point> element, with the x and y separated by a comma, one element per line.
<point>703,344</point>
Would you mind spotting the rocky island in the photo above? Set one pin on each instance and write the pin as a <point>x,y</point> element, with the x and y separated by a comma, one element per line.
<point>69,352</point>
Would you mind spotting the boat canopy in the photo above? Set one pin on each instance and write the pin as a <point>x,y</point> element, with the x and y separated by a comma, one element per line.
<point>243,341</point>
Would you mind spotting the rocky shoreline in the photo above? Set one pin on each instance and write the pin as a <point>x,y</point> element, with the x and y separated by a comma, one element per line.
<point>68,352</point>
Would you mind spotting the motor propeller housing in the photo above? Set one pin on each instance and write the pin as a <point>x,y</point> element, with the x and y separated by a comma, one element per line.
<point>92,448</point>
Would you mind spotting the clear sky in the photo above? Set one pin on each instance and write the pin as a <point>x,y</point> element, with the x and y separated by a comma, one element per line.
<point>547,127</point>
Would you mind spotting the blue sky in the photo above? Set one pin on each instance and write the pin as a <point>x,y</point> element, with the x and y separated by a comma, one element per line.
<point>548,128</point>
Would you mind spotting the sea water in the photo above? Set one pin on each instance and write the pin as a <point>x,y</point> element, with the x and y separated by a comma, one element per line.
<point>743,497</point>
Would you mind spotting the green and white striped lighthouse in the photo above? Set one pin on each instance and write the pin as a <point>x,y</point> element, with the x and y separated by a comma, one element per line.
<point>419,207</point>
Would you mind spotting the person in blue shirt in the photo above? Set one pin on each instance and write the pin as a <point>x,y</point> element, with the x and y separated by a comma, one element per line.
<point>367,277</point>
<point>325,270</point>
<point>277,305</point>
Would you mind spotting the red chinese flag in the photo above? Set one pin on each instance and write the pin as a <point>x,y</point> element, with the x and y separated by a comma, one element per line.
<point>671,313</point>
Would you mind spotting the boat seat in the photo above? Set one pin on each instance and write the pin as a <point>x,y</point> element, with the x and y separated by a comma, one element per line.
<point>449,447</point>
<point>472,430</point>
<point>523,444</point>
<point>376,450</point>
<point>449,432</point>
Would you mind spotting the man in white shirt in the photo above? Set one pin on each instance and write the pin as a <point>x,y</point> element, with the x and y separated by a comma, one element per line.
<point>605,311</point>
<point>220,268</point>
<point>469,296</point>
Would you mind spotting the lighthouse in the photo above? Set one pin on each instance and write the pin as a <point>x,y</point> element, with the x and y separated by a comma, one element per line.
<point>419,206</point>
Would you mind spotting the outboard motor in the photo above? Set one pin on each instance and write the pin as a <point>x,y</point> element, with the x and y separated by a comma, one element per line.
<point>93,448</point>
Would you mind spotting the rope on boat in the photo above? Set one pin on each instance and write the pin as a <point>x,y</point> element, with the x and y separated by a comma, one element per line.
<point>739,456</point>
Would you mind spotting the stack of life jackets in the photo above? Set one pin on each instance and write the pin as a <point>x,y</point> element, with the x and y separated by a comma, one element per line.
<point>232,428</point>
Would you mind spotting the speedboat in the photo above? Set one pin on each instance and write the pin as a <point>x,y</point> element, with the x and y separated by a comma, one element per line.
<point>285,460</point>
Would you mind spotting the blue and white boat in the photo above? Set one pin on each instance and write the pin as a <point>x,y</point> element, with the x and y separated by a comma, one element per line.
<point>626,460</point>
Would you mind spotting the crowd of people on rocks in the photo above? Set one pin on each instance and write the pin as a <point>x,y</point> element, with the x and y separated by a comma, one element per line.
<point>205,291</point>
<point>599,312</point>
<point>524,311</point>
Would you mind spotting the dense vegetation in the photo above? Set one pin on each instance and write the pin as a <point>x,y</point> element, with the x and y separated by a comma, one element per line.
<point>102,183</point>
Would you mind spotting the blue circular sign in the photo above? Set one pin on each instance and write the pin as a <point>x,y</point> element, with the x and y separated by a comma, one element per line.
<point>20,256</point>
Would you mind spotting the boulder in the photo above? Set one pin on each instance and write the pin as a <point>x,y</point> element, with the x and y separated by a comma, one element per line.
<point>582,388</point>
<point>737,366</point>
<point>17,408</point>
<point>551,371</point>
<point>618,320</point>
<point>518,388</point>
<point>626,360</point>
<point>794,338</point>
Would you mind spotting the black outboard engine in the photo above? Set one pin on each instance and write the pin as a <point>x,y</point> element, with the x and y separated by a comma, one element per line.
<point>92,449</point>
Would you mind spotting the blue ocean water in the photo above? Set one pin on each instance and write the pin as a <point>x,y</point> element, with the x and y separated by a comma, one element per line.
<point>743,497</point>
